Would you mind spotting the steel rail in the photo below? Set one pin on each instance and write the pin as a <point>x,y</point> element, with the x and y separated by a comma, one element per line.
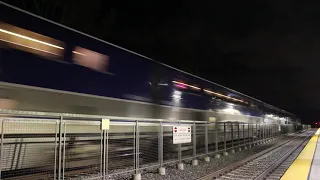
<point>267,172</point>
<point>227,169</point>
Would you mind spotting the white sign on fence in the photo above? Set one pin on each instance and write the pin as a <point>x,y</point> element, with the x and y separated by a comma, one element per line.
<point>181,134</point>
<point>105,124</point>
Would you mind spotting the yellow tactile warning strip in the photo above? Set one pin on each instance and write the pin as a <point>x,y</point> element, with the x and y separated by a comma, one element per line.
<point>299,169</point>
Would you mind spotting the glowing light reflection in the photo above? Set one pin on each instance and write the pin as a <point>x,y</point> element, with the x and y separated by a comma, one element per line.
<point>79,53</point>
<point>181,86</point>
<point>29,47</point>
<point>221,95</point>
<point>188,85</point>
<point>29,38</point>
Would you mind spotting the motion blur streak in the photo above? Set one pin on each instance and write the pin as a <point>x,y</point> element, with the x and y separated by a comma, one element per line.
<point>78,53</point>
<point>28,47</point>
<point>221,95</point>
<point>31,39</point>
<point>184,84</point>
<point>90,59</point>
<point>18,38</point>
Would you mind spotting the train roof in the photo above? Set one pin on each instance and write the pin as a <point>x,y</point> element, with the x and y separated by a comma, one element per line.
<point>148,58</point>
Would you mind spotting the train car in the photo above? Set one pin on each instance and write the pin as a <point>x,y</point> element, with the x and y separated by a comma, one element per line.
<point>48,67</point>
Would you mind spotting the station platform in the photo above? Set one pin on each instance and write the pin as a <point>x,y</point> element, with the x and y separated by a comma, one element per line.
<point>307,164</point>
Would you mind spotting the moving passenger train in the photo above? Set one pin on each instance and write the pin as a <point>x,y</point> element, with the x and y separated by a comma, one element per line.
<point>45,66</point>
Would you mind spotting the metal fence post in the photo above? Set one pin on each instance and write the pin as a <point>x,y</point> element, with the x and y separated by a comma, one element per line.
<point>107,153</point>
<point>134,147</point>
<point>194,139</point>
<point>206,138</point>
<point>160,145</point>
<point>1,148</point>
<point>216,137</point>
<point>260,132</point>
<point>232,135</point>
<point>243,134</point>
<point>238,134</point>
<point>179,150</point>
<point>248,134</point>
<point>55,150</point>
<point>270,130</point>
<point>137,147</point>
<point>257,133</point>
<point>101,155</point>
<point>104,154</point>
<point>224,137</point>
<point>274,130</point>
<point>267,131</point>
<point>64,149</point>
<point>60,148</point>
<point>263,131</point>
<point>252,133</point>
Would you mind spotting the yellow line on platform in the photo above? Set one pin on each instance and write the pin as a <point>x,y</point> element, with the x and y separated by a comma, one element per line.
<point>299,169</point>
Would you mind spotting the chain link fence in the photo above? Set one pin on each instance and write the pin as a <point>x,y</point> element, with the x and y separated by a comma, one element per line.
<point>37,145</point>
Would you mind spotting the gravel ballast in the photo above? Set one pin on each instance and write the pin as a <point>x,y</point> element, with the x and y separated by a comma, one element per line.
<point>190,172</point>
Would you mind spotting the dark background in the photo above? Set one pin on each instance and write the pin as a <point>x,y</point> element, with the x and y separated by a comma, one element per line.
<point>266,49</point>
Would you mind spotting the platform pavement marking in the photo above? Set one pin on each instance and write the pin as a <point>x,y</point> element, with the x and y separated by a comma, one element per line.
<point>299,169</point>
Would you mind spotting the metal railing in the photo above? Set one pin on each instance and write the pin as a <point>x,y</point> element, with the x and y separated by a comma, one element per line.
<point>59,146</point>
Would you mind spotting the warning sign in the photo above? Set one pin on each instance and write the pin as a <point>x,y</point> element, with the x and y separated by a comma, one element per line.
<point>181,134</point>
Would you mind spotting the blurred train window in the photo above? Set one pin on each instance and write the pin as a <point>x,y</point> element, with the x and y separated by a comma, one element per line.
<point>7,103</point>
<point>90,59</point>
<point>25,40</point>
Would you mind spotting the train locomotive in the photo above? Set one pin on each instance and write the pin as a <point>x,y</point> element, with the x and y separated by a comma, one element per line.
<point>48,67</point>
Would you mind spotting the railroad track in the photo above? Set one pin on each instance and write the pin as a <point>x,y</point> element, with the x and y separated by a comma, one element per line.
<point>279,169</point>
<point>268,164</point>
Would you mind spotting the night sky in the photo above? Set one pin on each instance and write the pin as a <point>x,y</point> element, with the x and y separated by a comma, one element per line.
<point>266,49</point>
